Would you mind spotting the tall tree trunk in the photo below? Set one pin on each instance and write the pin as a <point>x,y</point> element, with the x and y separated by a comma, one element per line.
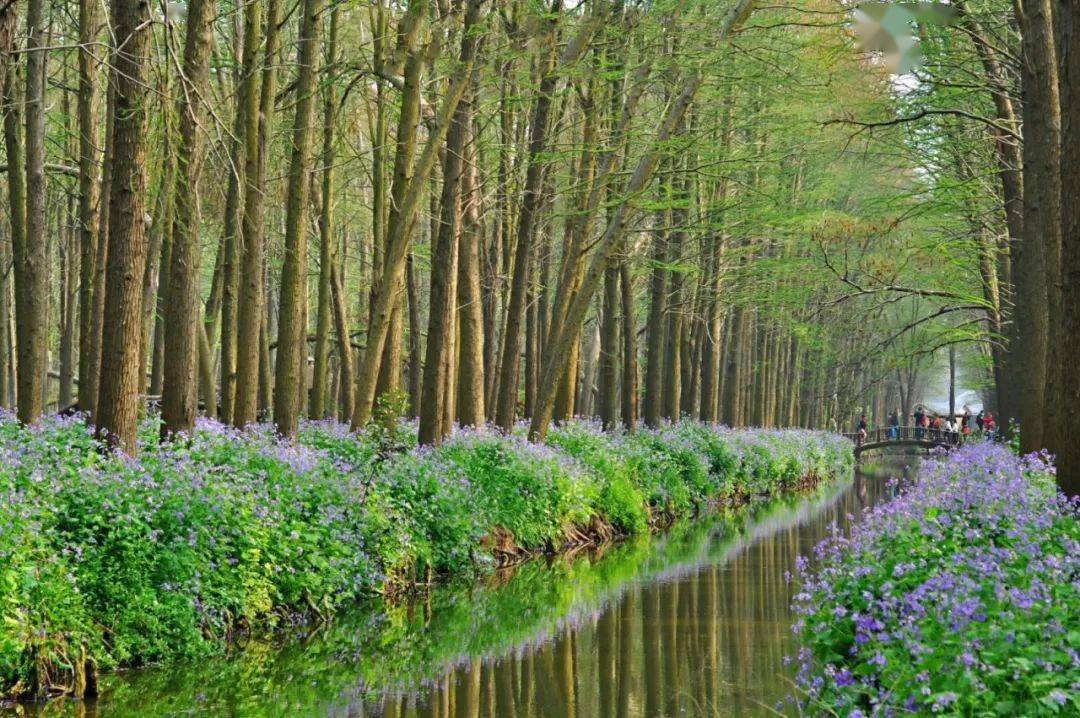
<point>1068,338</point>
<point>345,352</point>
<point>87,106</point>
<point>326,234</point>
<point>7,361</point>
<point>609,350</point>
<point>155,284</point>
<point>415,364</point>
<point>412,33</point>
<point>231,239</point>
<point>712,336</point>
<point>230,285</point>
<point>1042,218</point>
<point>183,316</point>
<point>91,383</point>
<point>629,349</point>
<point>118,404</point>
<point>656,329</point>
<point>68,297</point>
<point>534,299</point>
<point>258,98</point>
<point>292,327</point>
<point>674,336</point>
<point>16,198</point>
<point>470,387</point>
<point>155,291</point>
<point>30,251</point>
<point>444,275</point>
<point>16,177</point>
<point>733,377</point>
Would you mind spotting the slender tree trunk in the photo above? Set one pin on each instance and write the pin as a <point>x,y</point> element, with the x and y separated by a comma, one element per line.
<point>470,387</point>
<point>656,329</point>
<point>259,105</point>
<point>30,251</point>
<point>155,283</point>
<point>493,262</point>
<point>444,275</point>
<point>118,404</point>
<point>89,31</point>
<point>713,334</point>
<point>345,352</point>
<point>533,301</point>
<point>415,364</point>
<point>91,383</point>
<point>733,378</point>
<point>326,236</point>
<point>292,327</point>
<point>16,177</point>
<point>183,316</point>
<point>411,35</point>
<point>609,350</point>
<point>230,274</point>
<point>629,349</point>
<point>68,297</point>
<point>266,375</point>
<point>674,335</point>
<point>6,350</point>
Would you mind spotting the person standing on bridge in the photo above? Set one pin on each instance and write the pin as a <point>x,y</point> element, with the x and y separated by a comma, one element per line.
<point>894,425</point>
<point>862,429</point>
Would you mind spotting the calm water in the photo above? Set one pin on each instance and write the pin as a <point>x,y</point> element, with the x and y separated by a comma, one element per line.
<point>692,623</point>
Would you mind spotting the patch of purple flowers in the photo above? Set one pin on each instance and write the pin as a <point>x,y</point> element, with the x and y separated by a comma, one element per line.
<point>959,597</point>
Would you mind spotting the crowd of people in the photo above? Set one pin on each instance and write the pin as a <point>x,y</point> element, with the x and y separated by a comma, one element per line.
<point>930,425</point>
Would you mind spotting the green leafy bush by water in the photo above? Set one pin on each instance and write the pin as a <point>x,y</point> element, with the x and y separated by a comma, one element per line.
<point>107,560</point>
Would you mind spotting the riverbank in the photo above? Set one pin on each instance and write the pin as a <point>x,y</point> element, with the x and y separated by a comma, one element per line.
<point>109,561</point>
<point>960,597</point>
<point>485,641</point>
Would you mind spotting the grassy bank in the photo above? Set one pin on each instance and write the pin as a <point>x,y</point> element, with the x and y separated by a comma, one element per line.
<point>960,597</point>
<point>386,648</point>
<point>109,561</point>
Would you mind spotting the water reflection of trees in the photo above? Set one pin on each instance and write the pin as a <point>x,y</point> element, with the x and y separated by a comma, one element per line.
<point>709,643</point>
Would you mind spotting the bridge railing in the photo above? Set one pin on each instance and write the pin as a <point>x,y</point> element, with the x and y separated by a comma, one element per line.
<point>907,434</point>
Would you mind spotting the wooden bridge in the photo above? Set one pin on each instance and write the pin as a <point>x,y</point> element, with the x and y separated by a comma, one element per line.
<point>924,438</point>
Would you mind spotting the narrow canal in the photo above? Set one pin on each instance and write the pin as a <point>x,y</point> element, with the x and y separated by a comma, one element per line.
<point>694,622</point>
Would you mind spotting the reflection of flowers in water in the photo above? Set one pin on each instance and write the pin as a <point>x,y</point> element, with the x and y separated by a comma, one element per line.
<point>889,29</point>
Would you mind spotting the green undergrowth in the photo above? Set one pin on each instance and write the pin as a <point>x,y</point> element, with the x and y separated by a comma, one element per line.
<point>384,647</point>
<point>109,561</point>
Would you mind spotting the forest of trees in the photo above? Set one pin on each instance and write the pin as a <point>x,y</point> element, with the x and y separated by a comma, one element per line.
<point>474,211</point>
